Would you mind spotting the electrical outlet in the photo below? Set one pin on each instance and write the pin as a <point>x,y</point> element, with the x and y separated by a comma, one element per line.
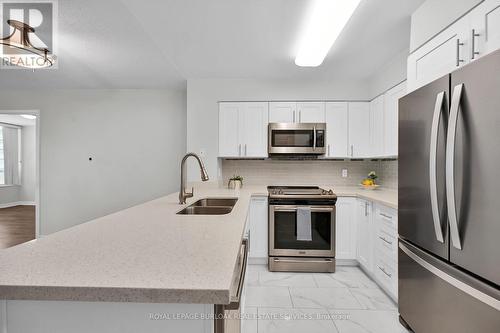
<point>344,173</point>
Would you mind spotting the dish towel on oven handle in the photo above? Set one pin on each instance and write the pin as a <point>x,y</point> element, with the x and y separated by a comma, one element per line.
<point>304,231</point>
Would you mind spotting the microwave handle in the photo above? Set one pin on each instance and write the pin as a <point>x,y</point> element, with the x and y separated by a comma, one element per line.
<point>314,138</point>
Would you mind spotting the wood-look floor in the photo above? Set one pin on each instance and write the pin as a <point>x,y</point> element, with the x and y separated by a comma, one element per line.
<point>17,225</point>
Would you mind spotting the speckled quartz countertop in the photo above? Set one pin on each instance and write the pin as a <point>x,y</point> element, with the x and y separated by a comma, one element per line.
<point>144,254</point>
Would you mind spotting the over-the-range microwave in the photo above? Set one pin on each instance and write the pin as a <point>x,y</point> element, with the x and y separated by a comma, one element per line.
<point>297,139</point>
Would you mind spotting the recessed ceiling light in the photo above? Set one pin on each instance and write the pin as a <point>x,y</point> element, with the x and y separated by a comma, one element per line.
<point>28,116</point>
<point>326,21</point>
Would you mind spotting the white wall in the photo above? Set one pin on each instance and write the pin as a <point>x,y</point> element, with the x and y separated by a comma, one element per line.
<point>135,137</point>
<point>9,194</point>
<point>28,170</point>
<point>389,75</point>
<point>202,107</point>
<point>435,15</point>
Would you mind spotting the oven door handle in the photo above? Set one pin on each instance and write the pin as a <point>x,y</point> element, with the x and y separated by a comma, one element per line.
<point>294,209</point>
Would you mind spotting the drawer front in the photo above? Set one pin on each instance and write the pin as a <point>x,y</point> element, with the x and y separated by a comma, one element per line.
<point>387,217</point>
<point>386,247</point>
<point>387,276</point>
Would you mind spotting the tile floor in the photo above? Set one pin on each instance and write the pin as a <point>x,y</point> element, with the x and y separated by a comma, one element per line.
<point>346,301</point>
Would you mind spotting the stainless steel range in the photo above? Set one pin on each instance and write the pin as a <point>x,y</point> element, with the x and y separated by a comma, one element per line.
<point>301,229</point>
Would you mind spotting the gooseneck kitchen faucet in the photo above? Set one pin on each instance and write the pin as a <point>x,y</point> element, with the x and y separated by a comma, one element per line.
<point>183,194</point>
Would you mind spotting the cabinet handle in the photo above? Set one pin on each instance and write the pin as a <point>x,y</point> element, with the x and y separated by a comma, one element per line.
<point>366,208</point>
<point>385,240</point>
<point>474,53</point>
<point>352,150</point>
<point>300,116</point>
<point>383,271</point>
<point>386,216</point>
<point>245,149</point>
<point>239,149</point>
<point>459,43</point>
<point>329,154</point>
<point>294,111</point>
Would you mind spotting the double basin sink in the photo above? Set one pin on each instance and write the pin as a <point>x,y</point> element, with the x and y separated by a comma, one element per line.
<point>210,206</point>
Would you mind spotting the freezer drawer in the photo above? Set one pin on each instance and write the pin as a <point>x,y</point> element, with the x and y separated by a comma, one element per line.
<point>437,298</point>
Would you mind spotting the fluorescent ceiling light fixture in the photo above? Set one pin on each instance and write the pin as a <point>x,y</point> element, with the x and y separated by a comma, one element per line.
<point>326,21</point>
<point>28,116</point>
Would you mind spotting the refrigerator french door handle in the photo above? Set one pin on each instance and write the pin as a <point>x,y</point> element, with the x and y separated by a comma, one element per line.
<point>450,165</point>
<point>436,119</point>
<point>477,294</point>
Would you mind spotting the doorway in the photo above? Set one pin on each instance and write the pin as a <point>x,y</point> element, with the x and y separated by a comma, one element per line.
<point>19,177</point>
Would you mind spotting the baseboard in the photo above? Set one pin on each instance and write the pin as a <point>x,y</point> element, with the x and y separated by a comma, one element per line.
<point>257,261</point>
<point>17,203</point>
<point>346,262</point>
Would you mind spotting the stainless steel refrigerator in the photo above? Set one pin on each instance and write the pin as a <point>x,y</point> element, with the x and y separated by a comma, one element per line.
<point>449,202</point>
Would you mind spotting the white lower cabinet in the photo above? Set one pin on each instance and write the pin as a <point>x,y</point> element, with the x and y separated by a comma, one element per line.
<point>258,224</point>
<point>345,229</point>
<point>385,236</point>
<point>364,234</point>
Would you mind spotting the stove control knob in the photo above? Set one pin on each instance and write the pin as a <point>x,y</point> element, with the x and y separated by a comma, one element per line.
<point>330,192</point>
<point>280,192</point>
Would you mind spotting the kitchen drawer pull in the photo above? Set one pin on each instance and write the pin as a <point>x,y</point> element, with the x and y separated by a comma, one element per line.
<point>385,240</point>
<point>383,271</point>
<point>386,216</point>
<point>459,60</point>
<point>474,53</point>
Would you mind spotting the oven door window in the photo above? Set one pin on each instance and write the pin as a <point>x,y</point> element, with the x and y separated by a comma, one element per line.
<point>285,231</point>
<point>292,138</point>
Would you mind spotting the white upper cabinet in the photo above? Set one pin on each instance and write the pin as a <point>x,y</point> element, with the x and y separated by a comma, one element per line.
<point>229,144</point>
<point>337,124</point>
<point>359,130</point>
<point>282,112</point>
<point>471,37</point>
<point>391,119</point>
<point>253,121</point>
<point>311,112</point>
<point>293,112</point>
<point>485,29</point>
<point>243,129</point>
<point>377,121</point>
<point>441,55</point>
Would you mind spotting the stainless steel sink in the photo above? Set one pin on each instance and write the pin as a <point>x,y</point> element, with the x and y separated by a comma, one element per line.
<point>194,210</point>
<point>210,206</point>
<point>218,202</point>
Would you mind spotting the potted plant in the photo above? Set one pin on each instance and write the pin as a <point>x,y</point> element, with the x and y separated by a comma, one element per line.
<point>235,182</point>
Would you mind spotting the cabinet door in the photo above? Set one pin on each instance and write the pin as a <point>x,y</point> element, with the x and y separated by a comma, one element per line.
<point>337,125</point>
<point>485,25</point>
<point>391,119</point>
<point>345,229</point>
<point>364,233</point>
<point>258,227</point>
<point>377,121</point>
<point>282,112</point>
<point>229,145</point>
<point>253,121</point>
<point>441,55</point>
<point>311,112</point>
<point>359,130</point>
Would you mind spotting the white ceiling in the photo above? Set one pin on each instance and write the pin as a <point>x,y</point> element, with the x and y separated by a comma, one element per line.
<point>16,120</point>
<point>162,43</point>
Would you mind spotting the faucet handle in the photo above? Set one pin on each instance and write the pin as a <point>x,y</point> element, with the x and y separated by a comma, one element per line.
<point>190,194</point>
